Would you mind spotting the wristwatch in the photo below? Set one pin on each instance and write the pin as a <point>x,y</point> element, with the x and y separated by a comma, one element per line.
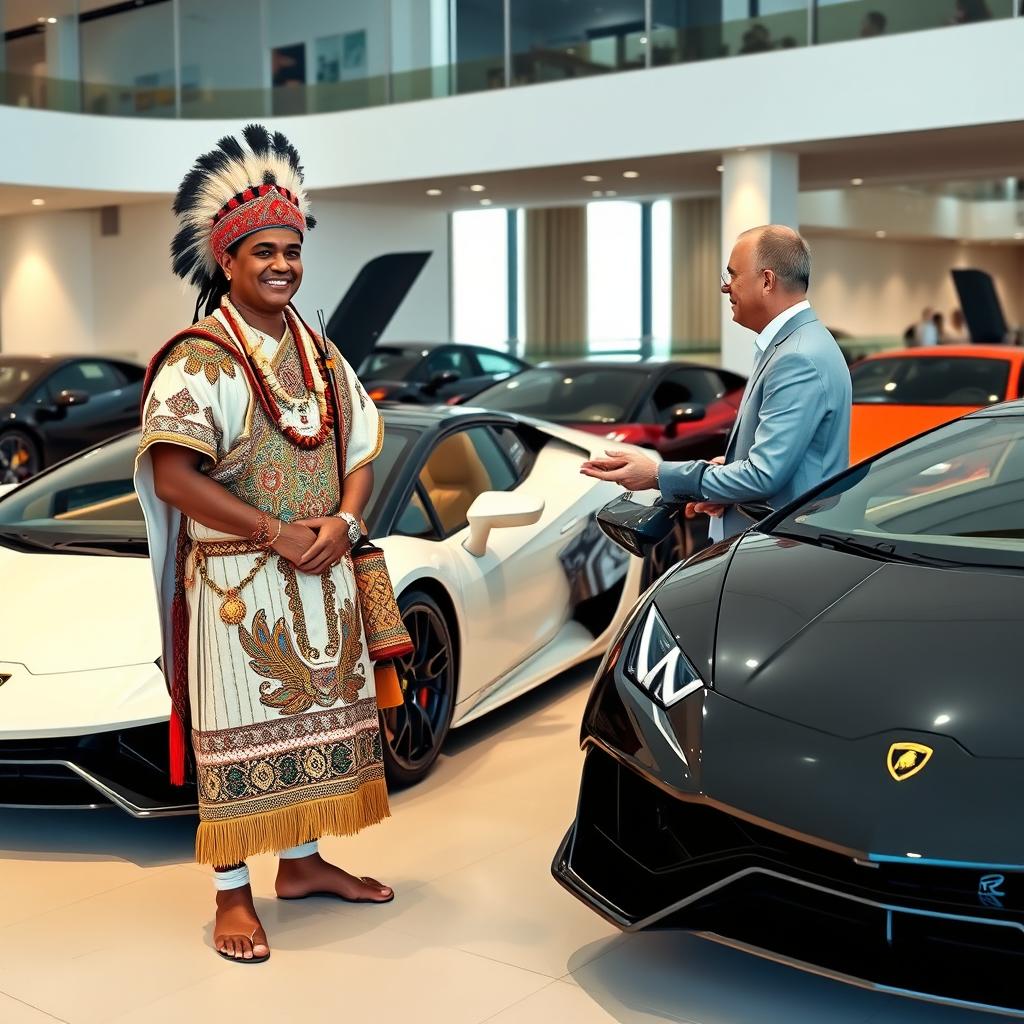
<point>355,531</point>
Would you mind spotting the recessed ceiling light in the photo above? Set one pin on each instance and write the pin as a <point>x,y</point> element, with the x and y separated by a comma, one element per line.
<point>643,40</point>
<point>38,202</point>
<point>47,21</point>
<point>433,192</point>
<point>477,188</point>
<point>597,193</point>
<point>720,168</point>
<point>631,174</point>
<point>856,181</point>
<point>611,192</point>
<point>591,177</point>
<point>486,202</point>
<point>879,234</point>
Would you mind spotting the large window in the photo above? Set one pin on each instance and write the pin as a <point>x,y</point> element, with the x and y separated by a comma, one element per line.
<point>480,277</point>
<point>614,294</point>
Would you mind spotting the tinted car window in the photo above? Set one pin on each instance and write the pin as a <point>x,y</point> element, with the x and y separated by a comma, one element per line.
<point>517,448</point>
<point>459,469</point>
<point>449,360</point>
<point>956,493</point>
<point>16,377</point>
<point>562,395</point>
<point>680,387</point>
<point>93,376</point>
<point>415,520</point>
<point>930,380</point>
<point>390,364</point>
<point>495,362</point>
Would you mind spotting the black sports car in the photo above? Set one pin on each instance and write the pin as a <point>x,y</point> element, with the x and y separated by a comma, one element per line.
<point>806,742</point>
<point>429,372</point>
<point>52,407</point>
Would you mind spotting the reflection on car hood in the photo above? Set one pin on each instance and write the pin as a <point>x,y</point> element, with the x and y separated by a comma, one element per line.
<point>853,646</point>
<point>71,613</point>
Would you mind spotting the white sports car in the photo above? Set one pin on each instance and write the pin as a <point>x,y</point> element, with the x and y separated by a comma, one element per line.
<point>503,577</point>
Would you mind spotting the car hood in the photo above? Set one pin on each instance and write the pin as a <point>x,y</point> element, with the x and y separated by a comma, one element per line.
<point>877,426</point>
<point>853,647</point>
<point>75,613</point>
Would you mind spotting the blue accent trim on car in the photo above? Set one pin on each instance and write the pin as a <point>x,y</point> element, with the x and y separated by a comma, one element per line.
<point>937,862</point>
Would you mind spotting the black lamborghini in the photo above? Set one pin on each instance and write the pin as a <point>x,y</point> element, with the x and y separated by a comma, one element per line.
<point>806,742</point>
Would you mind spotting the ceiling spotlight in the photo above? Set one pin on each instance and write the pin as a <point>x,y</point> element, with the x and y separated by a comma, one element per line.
<point>879,234</point>
<point>433,192</point>
<point>720,168</point>
<point>477,188</point>
<point>611,192</point>
<point>631,174</point>
<point>38,202</point>
<point>486,202</point>
<point>591,177</point>
<point>643,40</point>
<point>597,193</point>
<point>46,21</point>
<point>856,181</point>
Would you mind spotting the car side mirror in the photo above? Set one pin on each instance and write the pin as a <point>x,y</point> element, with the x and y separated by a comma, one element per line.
<point>690,413</point>
<point>440,380</point>
<point>494,510</point>
<point>70,397</point>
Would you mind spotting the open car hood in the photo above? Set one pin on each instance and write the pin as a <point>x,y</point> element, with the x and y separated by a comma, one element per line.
<point>371,301</point>
<point>854,646</point>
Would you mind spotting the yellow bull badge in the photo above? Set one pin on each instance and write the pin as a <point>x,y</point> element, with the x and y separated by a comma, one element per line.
<point>907,759</point>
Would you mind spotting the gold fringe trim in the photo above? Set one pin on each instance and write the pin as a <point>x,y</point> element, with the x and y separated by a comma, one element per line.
<point>388,688</point>
<point>222,843</point>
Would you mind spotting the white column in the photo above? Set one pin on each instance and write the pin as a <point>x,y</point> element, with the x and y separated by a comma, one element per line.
<point>759,186</point>
<point>62,60</point>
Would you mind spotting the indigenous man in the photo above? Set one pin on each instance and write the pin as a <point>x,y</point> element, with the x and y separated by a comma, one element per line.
<point>250,528</point>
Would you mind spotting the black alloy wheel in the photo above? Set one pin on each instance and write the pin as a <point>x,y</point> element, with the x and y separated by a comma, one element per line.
<point>20,457</point>
<point>687,536</point>
<point>414,731</point>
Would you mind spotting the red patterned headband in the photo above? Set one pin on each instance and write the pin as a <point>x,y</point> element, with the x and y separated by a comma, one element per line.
<point>255,209</point>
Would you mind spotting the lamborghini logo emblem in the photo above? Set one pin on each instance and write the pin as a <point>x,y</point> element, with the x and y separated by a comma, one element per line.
<point>907,759</point>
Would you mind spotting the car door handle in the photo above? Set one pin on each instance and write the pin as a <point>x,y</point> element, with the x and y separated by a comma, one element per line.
<point>569,525</point>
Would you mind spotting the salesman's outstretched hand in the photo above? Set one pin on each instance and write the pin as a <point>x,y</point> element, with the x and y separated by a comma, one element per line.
<point>634,471</point>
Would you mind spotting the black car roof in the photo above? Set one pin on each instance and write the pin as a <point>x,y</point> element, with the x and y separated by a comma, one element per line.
<point>643,366</point>
<point>403,345</point>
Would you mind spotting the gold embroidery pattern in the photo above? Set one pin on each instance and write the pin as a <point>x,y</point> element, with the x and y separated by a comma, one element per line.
<point>202,357</point>
<point>208,413</point>
<point>291,589</point>
<point>170,428</point>
<point>274,657</point>
<point>182,404</point>
<point>152,406</point>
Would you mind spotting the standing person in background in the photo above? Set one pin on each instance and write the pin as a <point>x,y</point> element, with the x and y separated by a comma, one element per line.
<point>925,333</point>
<point>967,11</point>
<point>252,505</point>
<point>874,24</point>
<point>793,428</point>
<point>940,328</point>
<point>958,333</point>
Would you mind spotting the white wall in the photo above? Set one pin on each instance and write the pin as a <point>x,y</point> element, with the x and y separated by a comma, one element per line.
<point>63,287</point>
<point>876,288</point>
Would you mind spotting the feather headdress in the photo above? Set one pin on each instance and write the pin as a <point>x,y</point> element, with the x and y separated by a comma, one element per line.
<point>234,191</point>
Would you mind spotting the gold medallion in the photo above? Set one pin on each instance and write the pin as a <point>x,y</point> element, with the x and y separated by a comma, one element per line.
<point>232,609</point>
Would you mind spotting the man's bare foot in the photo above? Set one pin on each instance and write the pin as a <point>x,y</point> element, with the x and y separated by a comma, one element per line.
<point>237,932</point>
<point>313,876</point>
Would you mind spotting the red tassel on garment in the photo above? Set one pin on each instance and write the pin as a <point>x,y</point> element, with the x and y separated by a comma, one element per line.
<point>176,735</point>
<point>181,714</point>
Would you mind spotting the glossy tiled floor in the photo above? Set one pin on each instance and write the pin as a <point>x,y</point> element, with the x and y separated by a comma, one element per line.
<point>106,919</point>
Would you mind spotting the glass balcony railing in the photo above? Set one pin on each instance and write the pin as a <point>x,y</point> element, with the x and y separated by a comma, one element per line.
<point>214,59</point>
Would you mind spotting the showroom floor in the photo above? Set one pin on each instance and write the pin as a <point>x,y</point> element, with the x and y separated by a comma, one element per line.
<point>106,919</point>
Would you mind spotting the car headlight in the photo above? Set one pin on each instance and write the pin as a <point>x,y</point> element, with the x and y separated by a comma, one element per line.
<point>657,664</point>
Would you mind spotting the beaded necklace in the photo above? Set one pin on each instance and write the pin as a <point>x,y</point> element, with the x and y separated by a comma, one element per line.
<point>274,392</point>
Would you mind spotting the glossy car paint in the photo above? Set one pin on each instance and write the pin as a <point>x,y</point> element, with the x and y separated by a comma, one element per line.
<point>876,427</point>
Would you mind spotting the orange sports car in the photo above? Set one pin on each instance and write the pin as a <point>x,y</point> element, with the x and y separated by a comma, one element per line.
<point>901,393</point>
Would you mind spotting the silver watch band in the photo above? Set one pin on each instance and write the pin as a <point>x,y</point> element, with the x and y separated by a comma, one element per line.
<point>355,531</point>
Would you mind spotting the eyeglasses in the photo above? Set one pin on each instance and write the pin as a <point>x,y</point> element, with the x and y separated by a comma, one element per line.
<point>728,278</point>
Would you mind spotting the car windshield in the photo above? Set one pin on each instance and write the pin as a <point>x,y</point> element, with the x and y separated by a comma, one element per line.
<point>391,363</point>
<point>567,395</point>
<point>89,504</point>
<point>952,497</point>
<point>17,376</point>
<point>930,380</point>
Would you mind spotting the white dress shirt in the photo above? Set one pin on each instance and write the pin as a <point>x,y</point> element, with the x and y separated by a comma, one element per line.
<point>716,530</point>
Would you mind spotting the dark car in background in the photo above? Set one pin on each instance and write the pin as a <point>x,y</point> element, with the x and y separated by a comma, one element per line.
<point>682,410</point>
<point>430,372</point>
<point>806,741</point>
<point>54,406</point>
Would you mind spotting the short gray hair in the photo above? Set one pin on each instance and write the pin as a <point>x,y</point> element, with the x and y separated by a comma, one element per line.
<point>784,252</point>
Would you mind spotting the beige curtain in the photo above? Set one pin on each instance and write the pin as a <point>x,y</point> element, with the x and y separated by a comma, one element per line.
<point>696,269</point>
<point>556,281</point>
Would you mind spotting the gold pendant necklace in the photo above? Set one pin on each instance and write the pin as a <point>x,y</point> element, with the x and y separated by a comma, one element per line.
<point>232,607</point>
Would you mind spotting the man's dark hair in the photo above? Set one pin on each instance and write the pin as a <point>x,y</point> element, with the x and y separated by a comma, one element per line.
<point>877,20</point>
<point>786,254</point>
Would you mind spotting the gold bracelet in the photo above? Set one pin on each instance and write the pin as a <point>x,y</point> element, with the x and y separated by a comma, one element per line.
<point>280,527</point>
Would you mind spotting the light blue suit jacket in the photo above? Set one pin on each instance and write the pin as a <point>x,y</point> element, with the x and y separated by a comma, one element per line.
<point>793,430</point>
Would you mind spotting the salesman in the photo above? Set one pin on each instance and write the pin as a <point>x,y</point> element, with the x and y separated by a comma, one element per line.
<point>793,428</point>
